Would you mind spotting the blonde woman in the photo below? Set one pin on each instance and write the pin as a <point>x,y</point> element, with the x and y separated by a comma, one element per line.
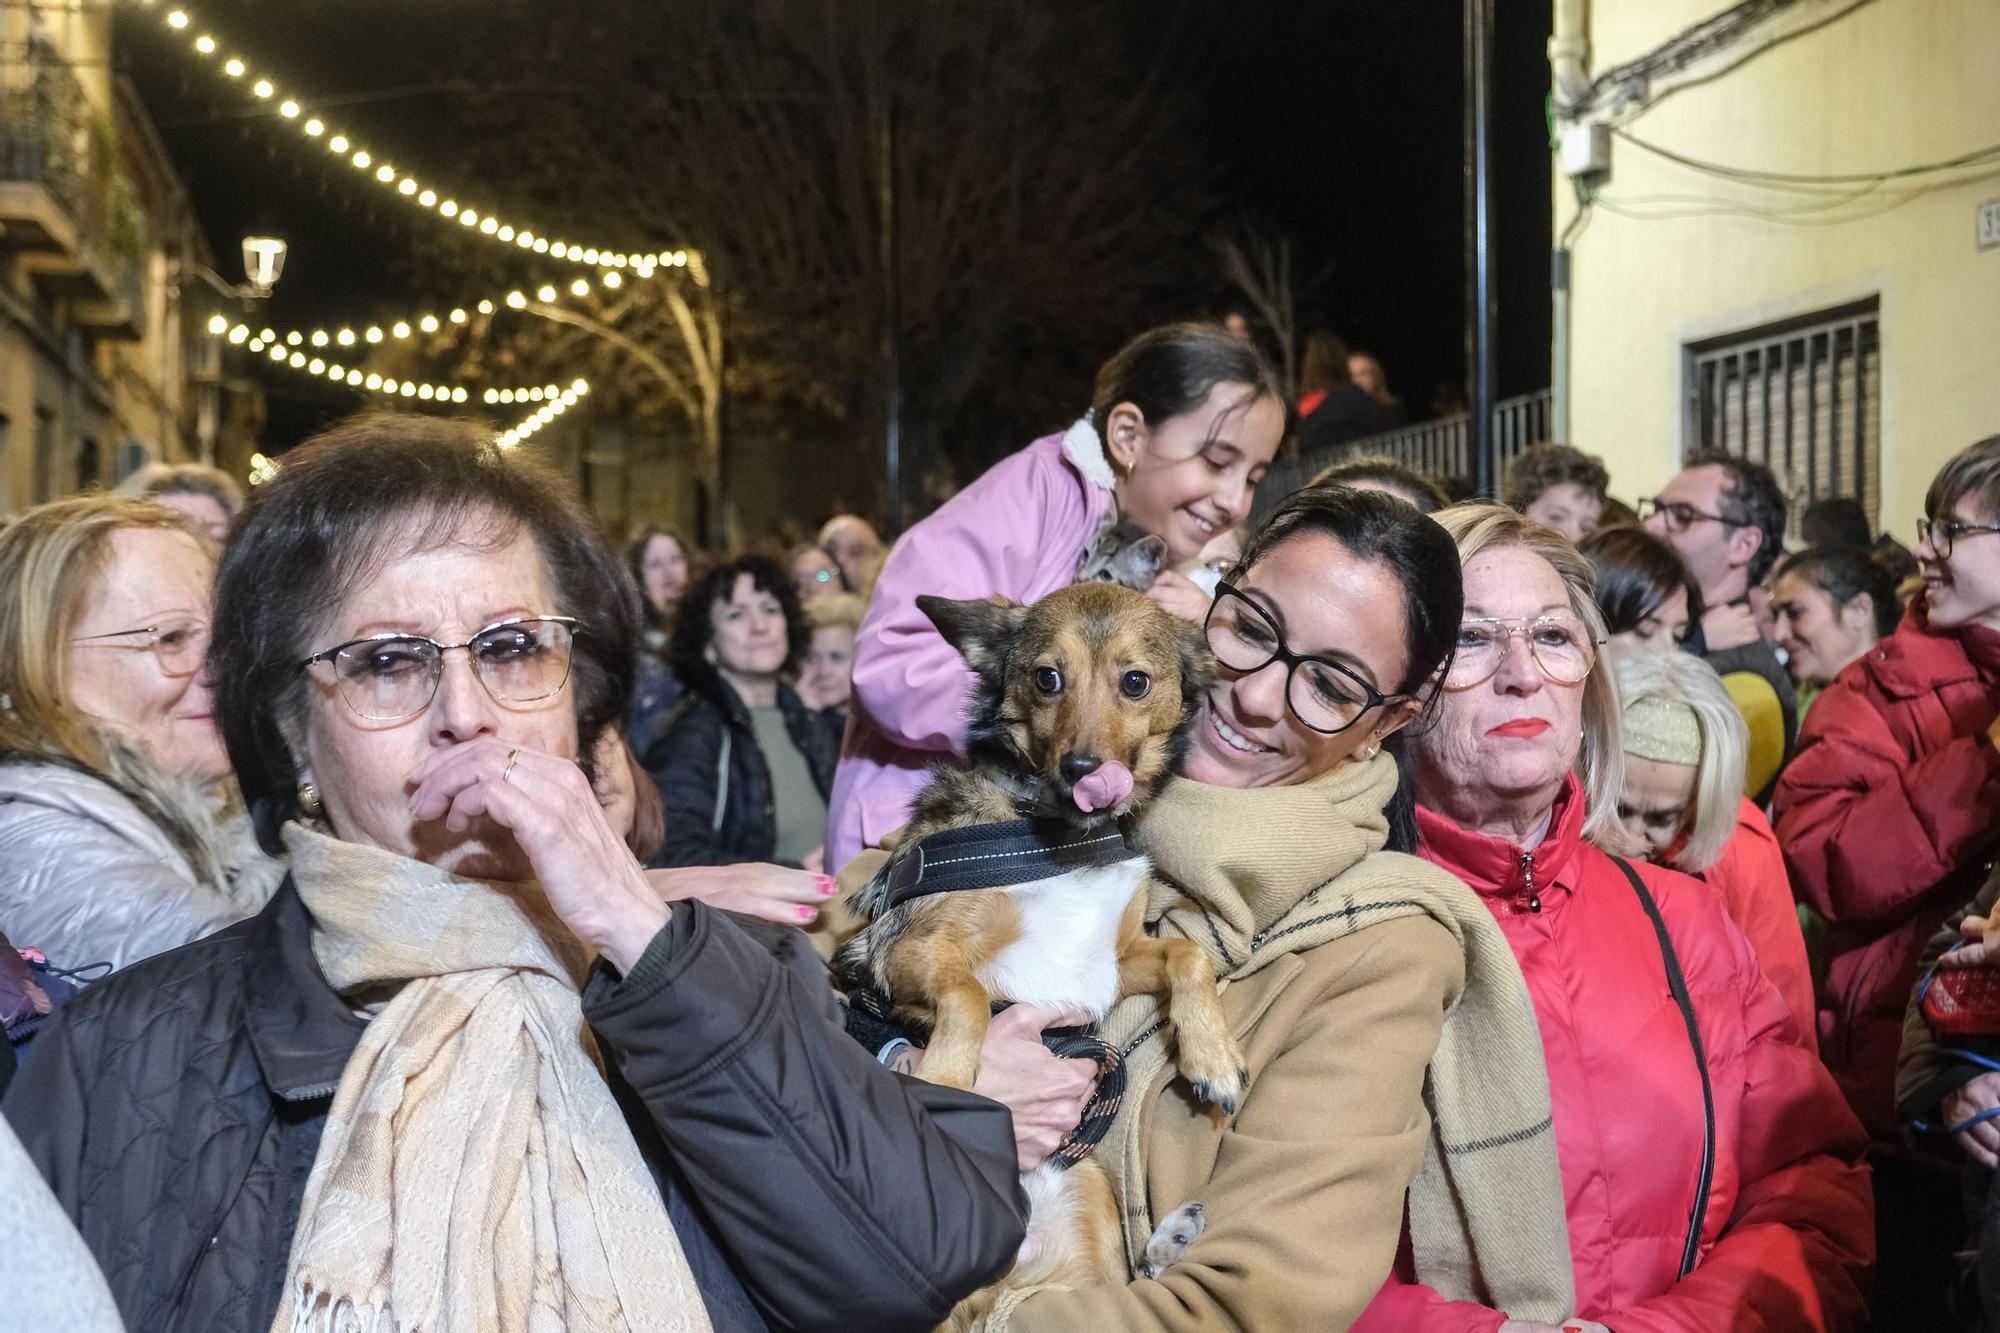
<point>826,674</point>
<point>111,769</point>
<point>1710,1171</point>
<point>1682,805</point>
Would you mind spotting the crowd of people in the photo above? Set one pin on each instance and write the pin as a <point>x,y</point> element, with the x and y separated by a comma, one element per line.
<point>413,911</point>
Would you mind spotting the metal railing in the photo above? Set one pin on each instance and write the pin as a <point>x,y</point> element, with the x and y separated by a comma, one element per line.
<point>1803,398</point>
<point>45,128</point>
<point>1442,447</point>
<point>49,136</point>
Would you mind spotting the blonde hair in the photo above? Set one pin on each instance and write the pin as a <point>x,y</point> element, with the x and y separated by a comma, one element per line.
<point>841,610</point>
<point>1480,527</point>
<point>1684,679</point>
<point>49,558</point>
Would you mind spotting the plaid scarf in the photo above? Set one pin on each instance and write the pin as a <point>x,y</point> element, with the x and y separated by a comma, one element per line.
<point>475,1174</point>
<point>1253,875</point>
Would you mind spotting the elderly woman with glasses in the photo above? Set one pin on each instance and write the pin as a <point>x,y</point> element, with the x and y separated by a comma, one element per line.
<point>468,1069</point>
<point>1349,968</point>
<point>113,838</point>
<point>1710,1175</point>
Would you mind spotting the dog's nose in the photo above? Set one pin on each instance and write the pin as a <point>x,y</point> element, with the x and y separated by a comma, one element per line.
<point>1078,766</point>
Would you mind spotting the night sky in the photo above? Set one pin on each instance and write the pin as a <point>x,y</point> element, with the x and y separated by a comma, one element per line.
<point>1337,125</point>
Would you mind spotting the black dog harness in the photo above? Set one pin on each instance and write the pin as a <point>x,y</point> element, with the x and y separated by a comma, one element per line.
<point>997,856</point>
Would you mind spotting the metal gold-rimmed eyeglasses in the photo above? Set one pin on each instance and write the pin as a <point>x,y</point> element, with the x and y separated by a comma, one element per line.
<point>389,677</point>
<point>1325,696</point>
<point>1943,533</point>
<point>1562,649</point>
<point>1680,516</point>
<point>179,644</point>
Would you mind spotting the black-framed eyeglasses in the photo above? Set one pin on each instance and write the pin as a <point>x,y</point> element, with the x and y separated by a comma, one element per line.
<point>1680,516</point>
<point>1325,696</point>
<point>179,644</point>
<point>389,677</point>
<point>1943,533</point>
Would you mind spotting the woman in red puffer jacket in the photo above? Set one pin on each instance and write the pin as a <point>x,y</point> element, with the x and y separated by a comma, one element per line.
<point>1890,814</point>
<point>1711,1174</point>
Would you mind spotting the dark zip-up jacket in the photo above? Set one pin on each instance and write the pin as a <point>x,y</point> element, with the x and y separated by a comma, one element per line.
<point>176,1107</point>
<point>714,780</point>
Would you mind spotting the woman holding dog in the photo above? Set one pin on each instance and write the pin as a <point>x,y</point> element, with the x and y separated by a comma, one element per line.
<point>1183,423</point>
<point>467,1069</point>
<point>1711,1175</point>
<point>1345,966</point>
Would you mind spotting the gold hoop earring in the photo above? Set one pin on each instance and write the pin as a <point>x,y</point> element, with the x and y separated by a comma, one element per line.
<point>309,800</point>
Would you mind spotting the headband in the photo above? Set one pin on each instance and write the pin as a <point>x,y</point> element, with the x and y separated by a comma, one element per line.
<point>1663,730</point>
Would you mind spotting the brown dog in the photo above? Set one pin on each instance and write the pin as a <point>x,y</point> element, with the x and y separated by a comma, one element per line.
<point>1083,708</point>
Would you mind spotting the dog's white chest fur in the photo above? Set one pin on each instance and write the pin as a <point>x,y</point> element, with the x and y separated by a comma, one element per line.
<point>1068,950</point>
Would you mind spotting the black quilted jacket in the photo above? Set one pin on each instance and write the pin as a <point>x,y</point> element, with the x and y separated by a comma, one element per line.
<point>714,781</point>
<point>175,1109</point>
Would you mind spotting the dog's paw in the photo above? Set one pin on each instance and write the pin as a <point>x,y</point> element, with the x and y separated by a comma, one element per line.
<point>1182,1228</point>
<point>1223,1083</point>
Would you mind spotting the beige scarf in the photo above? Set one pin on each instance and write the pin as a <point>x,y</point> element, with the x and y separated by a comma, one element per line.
<point>475,1174</point>
<point>1253,875</point>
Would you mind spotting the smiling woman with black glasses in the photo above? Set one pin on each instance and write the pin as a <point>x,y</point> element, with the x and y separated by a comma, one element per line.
<point>468,1059</point>
<point>1346,966</point>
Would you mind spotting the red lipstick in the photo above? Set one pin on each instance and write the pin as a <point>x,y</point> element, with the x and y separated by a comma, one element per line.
<point>1523,727</point>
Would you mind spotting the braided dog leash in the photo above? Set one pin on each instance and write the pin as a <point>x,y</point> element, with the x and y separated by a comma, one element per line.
<point>1066,1043</point>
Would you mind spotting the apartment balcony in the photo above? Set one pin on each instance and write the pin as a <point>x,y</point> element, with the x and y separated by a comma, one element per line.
<point>68,215</point>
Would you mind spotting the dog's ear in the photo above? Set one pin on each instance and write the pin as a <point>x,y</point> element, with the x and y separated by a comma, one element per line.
<point>979,630</point>
<point>1197,664</point>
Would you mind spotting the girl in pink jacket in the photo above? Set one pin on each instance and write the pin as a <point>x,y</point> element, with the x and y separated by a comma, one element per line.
<point>1183,423</point>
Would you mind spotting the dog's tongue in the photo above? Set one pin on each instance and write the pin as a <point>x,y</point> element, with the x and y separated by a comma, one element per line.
<point>1103,789</point>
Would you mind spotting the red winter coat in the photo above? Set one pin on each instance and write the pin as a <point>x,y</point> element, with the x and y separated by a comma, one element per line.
<point>1757,893</point>
<point>1787,1231</point>
<point>1889,817</point>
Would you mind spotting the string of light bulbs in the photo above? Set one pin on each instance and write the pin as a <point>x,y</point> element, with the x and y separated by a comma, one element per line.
<point>543,415</point>
<point>289,353</point>
<point>401,330</point>
<point>404,185</point>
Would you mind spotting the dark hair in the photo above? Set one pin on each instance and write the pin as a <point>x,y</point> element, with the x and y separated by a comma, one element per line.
<point>1838,520</point>
<point>694,620</point>
<point>1974,472</point>
<point>1751,498</point>
<point>1617,514</point>
<point>1844,573</point>
<point>1636,574</point>
<point>342,506</point>
<point>635,561</point>
<point>1424,561</point>
<point>1324,364</point>
<point>1172,369</point>
<point>1419,488</point>
<point>1542,466</point>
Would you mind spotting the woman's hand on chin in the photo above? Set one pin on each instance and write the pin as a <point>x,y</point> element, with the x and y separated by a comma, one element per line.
<point>589,874</point>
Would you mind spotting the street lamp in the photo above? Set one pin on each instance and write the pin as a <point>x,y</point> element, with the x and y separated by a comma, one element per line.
<point>263,261</point>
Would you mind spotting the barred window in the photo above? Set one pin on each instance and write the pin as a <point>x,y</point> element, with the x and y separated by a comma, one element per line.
<point>1802,397</point>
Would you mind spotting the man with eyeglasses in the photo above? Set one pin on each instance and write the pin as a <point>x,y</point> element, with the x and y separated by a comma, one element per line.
<point>1725,516</point>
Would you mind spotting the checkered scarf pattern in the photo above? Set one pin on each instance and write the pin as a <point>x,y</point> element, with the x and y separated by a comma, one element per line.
<point>475,1173</point>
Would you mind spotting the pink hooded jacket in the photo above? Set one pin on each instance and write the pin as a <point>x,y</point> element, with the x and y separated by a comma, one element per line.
<point>1018,532</point>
